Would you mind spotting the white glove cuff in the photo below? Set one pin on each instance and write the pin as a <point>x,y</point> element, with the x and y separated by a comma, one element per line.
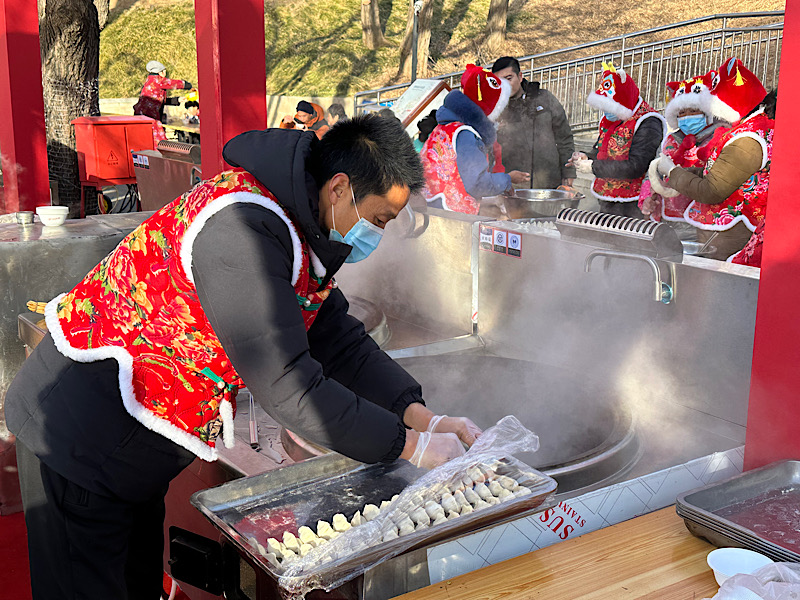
<point>434,422</point>
<point>422,443</point>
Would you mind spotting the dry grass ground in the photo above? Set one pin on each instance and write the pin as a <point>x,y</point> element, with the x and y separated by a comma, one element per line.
<point>314,46</point>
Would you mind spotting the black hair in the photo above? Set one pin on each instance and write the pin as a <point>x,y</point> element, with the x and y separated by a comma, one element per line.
<point>374,152</point>
<point>337,110</point>
<point>387,113</point>
<point>426,125</point>
<point>768,104</point>
<point>504,62</point>
<point>191,103</point>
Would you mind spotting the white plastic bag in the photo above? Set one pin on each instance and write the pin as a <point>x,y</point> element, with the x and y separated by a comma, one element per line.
<point>778,581</point>
<point>330,565</point>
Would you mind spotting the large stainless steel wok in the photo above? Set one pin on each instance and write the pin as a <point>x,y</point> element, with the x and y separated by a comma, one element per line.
<point>587,438</point>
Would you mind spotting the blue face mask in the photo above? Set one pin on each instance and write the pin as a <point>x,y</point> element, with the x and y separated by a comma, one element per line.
<point>364,236</point>
<point>611,116</point>
<point>692,124</point>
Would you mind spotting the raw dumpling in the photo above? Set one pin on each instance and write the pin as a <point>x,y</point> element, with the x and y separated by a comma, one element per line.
<point>395,497</point>
<point>357,519</point>
<point>421,526</point>
<point>275,547</point>
<point>466,509</point>
<point>476,475</point>
<point>467,481</point>
<point>418,515</point>
<point>452,515</point>
<point>290,541</point>
<point>522,491</point>
<point>405,526</point>
<point>495,487</point>
<point>507,482</point>
<point>371,511</point>
<point>471,496</point>
<point>325,531</point>
<point>460,499</point>
<point>340,523</point>
<point>482,491</point>
<point>440,519</point>
<point>434,510</point>
<point>389,531</point>
<point>305,549</point>
<point>505,495</point>
<point>385,504</point>
<point>493,500</point>
<point>272,559</point>
<point>307,536</point>
<point>449,503</point>
<point>289,555</point>
<point>482,504</point>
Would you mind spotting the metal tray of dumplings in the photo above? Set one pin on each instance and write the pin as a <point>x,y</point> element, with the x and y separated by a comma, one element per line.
<point>266,505</point>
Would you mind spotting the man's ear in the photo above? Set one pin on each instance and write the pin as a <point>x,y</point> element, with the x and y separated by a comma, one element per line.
<point>339,188</point>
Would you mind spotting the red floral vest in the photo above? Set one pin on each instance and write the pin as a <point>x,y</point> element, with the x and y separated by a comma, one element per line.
<point>438,156</point>
<point>615,145</point>
<point>748,204</point>
<point>140,307</point>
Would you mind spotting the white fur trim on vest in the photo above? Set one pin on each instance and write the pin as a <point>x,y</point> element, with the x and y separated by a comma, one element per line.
<point>226,413</point>
<point>606,104</point>
<point>655,180</point>
<point>224,201</point>
<point>125,361</point>
<point>502,102</point>
<point>316,264</point>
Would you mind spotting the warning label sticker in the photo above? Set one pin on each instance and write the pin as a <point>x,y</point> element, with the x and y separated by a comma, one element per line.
<point>112,159</point>
<point>486,234</point>
<point>515,245</point>
<point>499,243</point>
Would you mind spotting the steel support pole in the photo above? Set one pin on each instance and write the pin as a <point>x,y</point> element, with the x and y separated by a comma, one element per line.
<point>773,418</point>
<point>231,72</point>
<point>23,142</point>
<point>414,35</point>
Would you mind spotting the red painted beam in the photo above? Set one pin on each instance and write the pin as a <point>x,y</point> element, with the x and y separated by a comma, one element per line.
<point>773,418</point>
<point>23,142</point>
<point>232,74</point>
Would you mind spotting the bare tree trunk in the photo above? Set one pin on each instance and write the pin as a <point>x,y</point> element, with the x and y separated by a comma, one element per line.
<point>423,40</point>
<point>371,33</point>
<point>496,24</point>
<point>69,32</point>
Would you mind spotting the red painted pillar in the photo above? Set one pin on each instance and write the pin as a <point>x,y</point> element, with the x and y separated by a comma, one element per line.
<point>232,73</point>
<point>23,143</point>
<point>773,418</point>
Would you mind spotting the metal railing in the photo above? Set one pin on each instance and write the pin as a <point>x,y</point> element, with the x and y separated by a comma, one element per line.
<point>650,57</point>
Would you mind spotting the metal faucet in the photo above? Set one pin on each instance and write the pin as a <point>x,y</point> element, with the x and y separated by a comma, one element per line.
<point>662,291</point>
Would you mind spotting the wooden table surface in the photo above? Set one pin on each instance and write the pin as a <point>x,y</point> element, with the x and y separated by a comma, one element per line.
<point>652,556</point>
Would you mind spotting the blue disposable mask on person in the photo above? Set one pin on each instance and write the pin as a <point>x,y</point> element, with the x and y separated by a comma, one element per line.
<point>692,124</point>
<point>364,236</point>
<point>611,116</point>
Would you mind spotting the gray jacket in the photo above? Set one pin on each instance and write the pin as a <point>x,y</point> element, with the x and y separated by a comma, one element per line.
<point>536,137</point>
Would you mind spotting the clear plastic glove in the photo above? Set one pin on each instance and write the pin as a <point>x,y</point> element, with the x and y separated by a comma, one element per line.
<point>665,165</point>
<point>434,449</point>
<point>583,165</point>
<point>576,156</point>
<point>464,428</point>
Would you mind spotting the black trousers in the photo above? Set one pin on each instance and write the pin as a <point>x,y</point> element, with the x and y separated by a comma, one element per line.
<point>625,209</point>
<point>86,546</point>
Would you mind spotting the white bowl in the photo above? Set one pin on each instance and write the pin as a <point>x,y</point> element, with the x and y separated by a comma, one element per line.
<point>727,562</point>
<point>52,216</point>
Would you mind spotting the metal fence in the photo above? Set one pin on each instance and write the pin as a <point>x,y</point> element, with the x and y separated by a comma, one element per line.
<point>652,57</point>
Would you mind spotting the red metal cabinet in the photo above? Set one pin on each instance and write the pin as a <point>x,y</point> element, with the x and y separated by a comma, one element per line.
<point>104,146</point>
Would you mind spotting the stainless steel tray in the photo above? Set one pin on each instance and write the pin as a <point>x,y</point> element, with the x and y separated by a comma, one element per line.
<point>266,505</point>
<point>758,495</point>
